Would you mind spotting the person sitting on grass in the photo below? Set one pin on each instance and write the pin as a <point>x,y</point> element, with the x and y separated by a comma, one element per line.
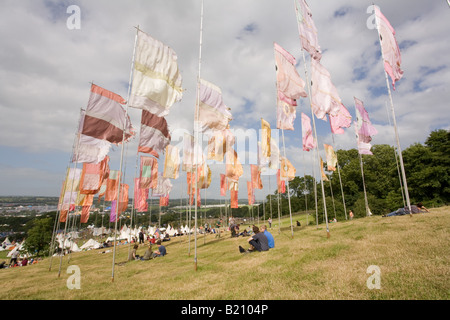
<point>258,242</point>
<point>161,252</point>
<point>148,253</point>
<point>269,236</point>
<point>402,211</point>
<point>132,255</point>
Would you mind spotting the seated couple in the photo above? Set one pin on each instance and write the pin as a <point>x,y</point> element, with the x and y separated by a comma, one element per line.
<point>260,241</point>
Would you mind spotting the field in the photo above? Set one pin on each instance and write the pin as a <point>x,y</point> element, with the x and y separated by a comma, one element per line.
<point>373,258</point>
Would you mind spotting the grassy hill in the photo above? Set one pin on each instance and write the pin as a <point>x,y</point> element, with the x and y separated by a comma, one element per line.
<point>412,255</point>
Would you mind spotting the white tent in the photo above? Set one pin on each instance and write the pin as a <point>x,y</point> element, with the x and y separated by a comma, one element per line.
<point>90,244</point>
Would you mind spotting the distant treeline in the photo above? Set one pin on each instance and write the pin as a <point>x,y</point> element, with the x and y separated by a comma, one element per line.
<point>427,168</point>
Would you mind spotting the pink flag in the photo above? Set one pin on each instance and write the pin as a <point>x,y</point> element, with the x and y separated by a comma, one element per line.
<point>365,128</point>
<point>343,119</point>
<point>223,186</point>
<point>290,87</point>
<point>251,196</point>
<point>148,173</point>
<point>105,118</point>
<point>307,29</point>
<point>389,47</point>
<point>307,137</point>
<point>140,197</point>
<point>325,98</point>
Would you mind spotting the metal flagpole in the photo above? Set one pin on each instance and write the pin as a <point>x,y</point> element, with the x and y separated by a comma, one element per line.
<point>196,129</point>
<point>121,156</point>
<point>362,175</point>
<point>399,149</point>
<point>287,180</point>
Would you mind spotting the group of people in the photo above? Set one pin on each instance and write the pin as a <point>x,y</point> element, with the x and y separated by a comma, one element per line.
<point>261,240</point>
<point>149,253</point>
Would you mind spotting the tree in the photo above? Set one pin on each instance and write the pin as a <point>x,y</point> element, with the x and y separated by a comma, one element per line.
<point>39,237</point>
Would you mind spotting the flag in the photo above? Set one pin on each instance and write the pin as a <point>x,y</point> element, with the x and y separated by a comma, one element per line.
<point>163,187</point>
<point>93,175</point>
<point>342,119</point>
<point>324,176</point>
<point>256,176</point>
<point>234,199</point>
<point>156,78</point>
<point>154,134</point>
<point>223,187</point>
<point>140,197</point>
<point>164,201</point>
<point>212,111</point>
<point>307,29</point>
<point>87,148</point>
<point>105,118</point>
<point>112,185</point>
<point>287,170</point>
<point>281,184</point>
<point>192,153</point>
<point>331,157</point>
<point>251,196</point>
<point>148,173</point>
<point>363,146</point>
<point>203,176</point>
<point>365,128</point>
<point>233,166</point>
<point>265,138</point>
<point>325,98</point>
<point>389,47</point>
<point>307,136</point>
<point>216,147</point>
<point>69,192</point>
<point>85,214</point>
<point>171,162</point>
<point>290,87</point>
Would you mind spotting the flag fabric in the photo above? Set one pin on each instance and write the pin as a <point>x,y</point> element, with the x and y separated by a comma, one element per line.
<point>307,29</point>
<point>112,185</point>
<point>93,175</point>
<point>251,196</point>
<point>164,201</point>
<point>290,87</point>
<point>324,176</point>
<point>69,192</point>
<point>223,186</point>
<point>234,199</point>
<point>113,216</point>
<point>363,146</point>
<point>287,170</point>
<point>307,136</point>
<point>163,187</point>
<point>87,148</point>
<point>216,147</point>
<point>140,197</point>
<point>203,176</point>
<point>331,157</point>
<point>154,135</point>
<point>212,112</point>
<point>105,118</point>
<point>281,184</point>
<point>156,78</point>
<point>341,120</point>
<point>85,214</point>
<point>389,47</point>
<point>192,153</point>
<point>148,173</point>
<point>365,128</point>
<point>233,166</point>
<point>266,134</point>
<point>255,174</point>
<point>171,162</point>
<point>325,98</point>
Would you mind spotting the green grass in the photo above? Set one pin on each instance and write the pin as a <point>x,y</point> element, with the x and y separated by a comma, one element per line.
<point>412,254</point>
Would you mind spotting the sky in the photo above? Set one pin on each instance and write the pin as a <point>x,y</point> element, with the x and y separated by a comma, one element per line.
<point>47,67</point>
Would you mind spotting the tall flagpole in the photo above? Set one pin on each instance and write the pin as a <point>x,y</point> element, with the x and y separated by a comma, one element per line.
<point>287,180</point>
<point>121,156</point>
<point>196,129</point>
<point>399,149</point>
<point>317,143</point>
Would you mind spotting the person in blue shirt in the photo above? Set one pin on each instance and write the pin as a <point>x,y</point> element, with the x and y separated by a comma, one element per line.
<point>161,252</point>
<point>268,236</point>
